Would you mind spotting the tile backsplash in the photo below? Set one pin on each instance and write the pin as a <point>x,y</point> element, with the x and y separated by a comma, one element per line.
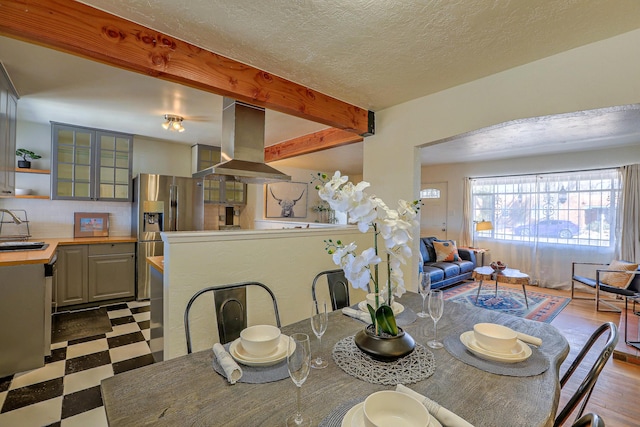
<point>54,218</point>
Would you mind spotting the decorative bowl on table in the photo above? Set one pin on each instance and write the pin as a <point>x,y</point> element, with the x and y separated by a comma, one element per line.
<point>260,340</point>
<point>494,337</point>
<point>498,266</point>
<point>392,408</point>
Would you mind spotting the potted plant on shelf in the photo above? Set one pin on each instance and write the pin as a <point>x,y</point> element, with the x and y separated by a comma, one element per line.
<point>382,339</point>
<point>26,155</point>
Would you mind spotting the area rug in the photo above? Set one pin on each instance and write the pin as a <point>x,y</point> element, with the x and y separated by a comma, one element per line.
<point>542,307</point>
<point>79,324</point>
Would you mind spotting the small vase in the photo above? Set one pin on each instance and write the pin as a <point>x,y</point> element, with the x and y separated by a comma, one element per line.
<point>385,348</point>
<point>25,164</point>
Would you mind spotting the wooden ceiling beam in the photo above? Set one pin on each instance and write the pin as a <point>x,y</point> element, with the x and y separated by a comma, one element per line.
<point>82,30</point>
<point>316,141</point>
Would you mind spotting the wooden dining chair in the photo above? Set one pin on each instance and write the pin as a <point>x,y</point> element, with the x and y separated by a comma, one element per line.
<point>584,390</point>
<point>589,420</point>
<point>230,303</point>
<point>338,288</point>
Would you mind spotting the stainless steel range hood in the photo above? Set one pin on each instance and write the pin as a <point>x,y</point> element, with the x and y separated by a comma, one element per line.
<point>242,146</point>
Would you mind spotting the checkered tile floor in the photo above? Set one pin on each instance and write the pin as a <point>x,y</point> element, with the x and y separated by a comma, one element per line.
<point>66,391</point>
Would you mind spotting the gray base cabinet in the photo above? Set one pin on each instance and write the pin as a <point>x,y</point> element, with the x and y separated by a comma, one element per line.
<point>71,285</point>
<point>94,273</point>
<point>22,312</point>
<point>111,271</point>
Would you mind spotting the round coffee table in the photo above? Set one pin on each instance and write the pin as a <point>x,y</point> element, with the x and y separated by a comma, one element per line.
<point>508,275</point>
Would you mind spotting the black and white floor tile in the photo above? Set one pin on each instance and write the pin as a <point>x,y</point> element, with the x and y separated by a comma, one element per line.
<point>66,391</point>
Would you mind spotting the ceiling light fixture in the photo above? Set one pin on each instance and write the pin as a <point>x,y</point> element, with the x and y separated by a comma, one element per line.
<point>173,122</point>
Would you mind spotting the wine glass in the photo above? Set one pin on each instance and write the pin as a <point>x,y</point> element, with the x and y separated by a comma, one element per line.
<point>299,365</point>
<point>319,321</point>
<point>424,287</point>
<point>436,306</point>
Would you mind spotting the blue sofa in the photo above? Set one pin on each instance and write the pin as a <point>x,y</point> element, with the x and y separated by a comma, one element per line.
<point>446,273</point>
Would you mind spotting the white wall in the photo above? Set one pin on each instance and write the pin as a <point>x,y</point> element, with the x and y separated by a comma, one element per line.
<point>161,157</point>
<point>597,75</point>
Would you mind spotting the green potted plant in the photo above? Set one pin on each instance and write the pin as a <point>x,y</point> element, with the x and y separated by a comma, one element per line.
<point>26,155</point>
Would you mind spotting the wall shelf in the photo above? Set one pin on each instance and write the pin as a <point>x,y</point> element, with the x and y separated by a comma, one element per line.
<point>32,196</point>
<point>29,170</point>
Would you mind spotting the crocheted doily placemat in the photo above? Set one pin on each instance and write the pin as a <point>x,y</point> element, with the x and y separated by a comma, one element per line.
<point>414,367</point>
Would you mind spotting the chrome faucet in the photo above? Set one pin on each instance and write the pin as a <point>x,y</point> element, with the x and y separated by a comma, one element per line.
<point>15,218</point>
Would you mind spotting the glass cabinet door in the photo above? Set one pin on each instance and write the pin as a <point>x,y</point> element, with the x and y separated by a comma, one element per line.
<point>72,154</point>
<point>114,165</point>
<point>89,164</point>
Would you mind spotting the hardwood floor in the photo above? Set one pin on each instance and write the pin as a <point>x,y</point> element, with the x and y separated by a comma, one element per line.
<point>615,397</point>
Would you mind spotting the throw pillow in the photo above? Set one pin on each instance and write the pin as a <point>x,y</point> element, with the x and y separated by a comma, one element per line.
<point>446,251</point>
<point>619,280</point>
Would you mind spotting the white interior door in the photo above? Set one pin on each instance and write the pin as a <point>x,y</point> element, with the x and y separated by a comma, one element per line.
<point>433,213</point>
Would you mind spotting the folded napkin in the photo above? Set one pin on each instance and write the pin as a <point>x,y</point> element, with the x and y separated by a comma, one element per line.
<point>446,417</point>
<point>529,339</point>
<point>357,314</point>
<point>230,367</point>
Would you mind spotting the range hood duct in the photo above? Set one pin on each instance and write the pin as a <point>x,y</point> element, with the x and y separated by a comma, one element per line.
<point>242,148</point>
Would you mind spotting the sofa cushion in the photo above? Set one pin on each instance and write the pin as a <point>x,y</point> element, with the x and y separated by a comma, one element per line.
<point>436,274</point>
<point>466,266</point>
<point>619,280</point>
<point>450,269</point>
<point>446,251</point>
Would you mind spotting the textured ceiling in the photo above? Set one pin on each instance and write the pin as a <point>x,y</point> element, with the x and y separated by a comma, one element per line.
<point>371,53</point>
<point>379,53</point>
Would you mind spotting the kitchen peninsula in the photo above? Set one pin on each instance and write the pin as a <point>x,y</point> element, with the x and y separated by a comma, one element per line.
<point>284,260</point>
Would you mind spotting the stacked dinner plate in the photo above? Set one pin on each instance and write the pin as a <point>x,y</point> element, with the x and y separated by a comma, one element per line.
<point>241,355</point>
<point>518,353</point>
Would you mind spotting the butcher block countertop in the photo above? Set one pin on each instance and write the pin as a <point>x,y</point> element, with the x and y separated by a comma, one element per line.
<point>44,256</point>
<point>156,262</point>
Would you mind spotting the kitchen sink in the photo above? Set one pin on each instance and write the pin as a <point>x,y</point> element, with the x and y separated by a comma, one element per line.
<point>22,246</point>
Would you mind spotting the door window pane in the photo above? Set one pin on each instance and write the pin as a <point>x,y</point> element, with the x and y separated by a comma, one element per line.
<point>106,191</point>
<point>83,173</point>
<point>65,171</point>
<point>81,189</point>
<point>122,176</point>
<point>106,176</point>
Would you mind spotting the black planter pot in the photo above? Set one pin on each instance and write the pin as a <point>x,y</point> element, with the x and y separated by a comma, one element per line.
<point>25,164</point>
<point>384,348</point>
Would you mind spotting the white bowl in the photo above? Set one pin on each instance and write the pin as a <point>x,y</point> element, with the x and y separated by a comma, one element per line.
<point>392,408</point>
<point>260,340</point>
<point>371,300</point>
<point>23,191</point>
<point>496,338</point>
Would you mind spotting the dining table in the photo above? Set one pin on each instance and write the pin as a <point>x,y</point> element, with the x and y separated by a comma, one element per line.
<point>187,391</point>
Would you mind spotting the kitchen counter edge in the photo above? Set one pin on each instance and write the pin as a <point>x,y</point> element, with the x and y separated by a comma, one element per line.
<point>45,256</point>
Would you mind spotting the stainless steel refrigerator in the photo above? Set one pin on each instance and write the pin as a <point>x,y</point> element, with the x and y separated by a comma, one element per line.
<point>162,203</point>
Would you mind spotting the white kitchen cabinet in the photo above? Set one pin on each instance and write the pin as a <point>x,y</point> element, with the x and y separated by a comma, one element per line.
<point>8,109</point>
<point>93,273</point>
